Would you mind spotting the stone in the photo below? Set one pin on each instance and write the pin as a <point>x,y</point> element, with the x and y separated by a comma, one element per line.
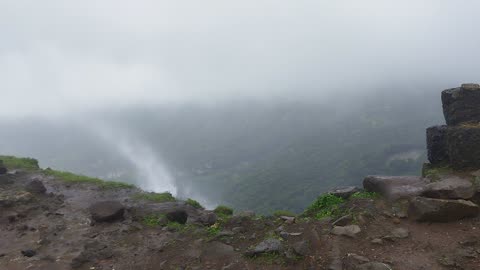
<point>377,241</point>
<point>400,233</point>
<point>352,260</point>
<point>178,215</point>
<point>374,266</point>
<point>464,146</point>
<point>36,187</point>
<point>437,145</point>
<point>461,105</point>
<point>92,252</point>
<point>350,230</point>
<point>395,187</point>
<point>29,253</point>
<point>267,246</point>
<point>107,211</point>
<point>450,188</point>
<point>288,219</point>
<point>301,248</point>
<point>344,192</point>
<point>441,210</point>
<point>208,218</point>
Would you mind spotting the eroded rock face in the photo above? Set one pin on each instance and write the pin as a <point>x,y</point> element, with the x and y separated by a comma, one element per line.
<point>461,105</point>
<point>107,211</point>
<point>437,145</point>
<point>441,210</point>
<point>450,188</point>
<point>463,144</point>
<point>36,186</point>
<point>395,187</point>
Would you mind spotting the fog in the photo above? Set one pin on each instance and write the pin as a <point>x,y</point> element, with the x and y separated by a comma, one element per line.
<point>145,79</point>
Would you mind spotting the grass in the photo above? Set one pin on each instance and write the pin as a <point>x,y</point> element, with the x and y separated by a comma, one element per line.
<point>12,162</point>
<point>152,220</point>
<point>223,211</point>
<point>435,173</point>
<point>214,229</point>
<point>326,205</point>
<point>286,213</point>
<point>194,203</point>
<point>155,197</point>
<point>77,178</point>
<point>365,195</point>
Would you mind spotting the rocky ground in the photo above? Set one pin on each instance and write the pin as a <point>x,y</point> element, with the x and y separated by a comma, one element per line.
<point>49,223</point>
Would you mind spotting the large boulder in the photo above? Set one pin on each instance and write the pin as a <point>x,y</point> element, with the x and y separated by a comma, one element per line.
<point>464,146</point>
<point>437,145</point>
<point>395,187</point>
<point>36,186</point>
<point>452,187</point>
<point>462,104</point>
<point>107,211</point>
<point>441,210</point>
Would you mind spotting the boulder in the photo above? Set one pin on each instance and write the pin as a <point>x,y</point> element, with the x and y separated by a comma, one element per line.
<point>36,186</point>
<point>107,211</point>
<point>395,187</point>
<point>450,188</point>
<point>268,246</point>
<point>179,216</point>
<point>441,210</point>
<point>461,105</point>
<point>344,192</point>
<point>437,145</point>
<point>3,169</point>
<point>350,230</point>
<point>207,218</point>
<point>464,146</point>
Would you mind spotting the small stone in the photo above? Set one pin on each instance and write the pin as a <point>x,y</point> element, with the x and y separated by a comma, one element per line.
<point>400,233</point>
<point>284,235</point>
<point>377,241</point>
<point>29,253</point>
<point>350,231</point>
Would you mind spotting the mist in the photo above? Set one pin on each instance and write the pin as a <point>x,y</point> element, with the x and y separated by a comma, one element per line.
<point>208,99</point>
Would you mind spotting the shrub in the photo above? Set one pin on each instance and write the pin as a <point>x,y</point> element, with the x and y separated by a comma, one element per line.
<point>325,206</point>
<point>12,162</point>
<point>194,203</point>
<point>77,178</point>
<point>223,210</point>
<point>155,197</point>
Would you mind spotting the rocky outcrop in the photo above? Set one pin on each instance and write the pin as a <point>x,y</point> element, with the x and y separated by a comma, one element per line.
<point>437,145</point>
<point>107,211</point>
<point>461,105</point>
<point>344,192</point>
<point>395,187</point>
<point>441,210</point>
<point>463,144</point>
<point>3,169</point>
<point>452,187</point>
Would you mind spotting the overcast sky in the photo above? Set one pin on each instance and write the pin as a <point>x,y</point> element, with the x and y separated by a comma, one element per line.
<point>69,56</point>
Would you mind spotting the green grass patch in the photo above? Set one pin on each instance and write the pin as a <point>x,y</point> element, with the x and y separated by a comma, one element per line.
<point>152,220</point>
<point>436,172</point>
<point>326,205</point>
<point>77,178</point>
<point>286,213</point>
<point>194,203</point>
<point>155,197</point>
<point>12,162</point>
<point>223,211</point>
<point>365,195</point>
<point>214,229</point>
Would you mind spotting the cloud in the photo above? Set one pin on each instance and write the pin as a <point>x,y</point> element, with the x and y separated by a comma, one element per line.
<point>58,57</point>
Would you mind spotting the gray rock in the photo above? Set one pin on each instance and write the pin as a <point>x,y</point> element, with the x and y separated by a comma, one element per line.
<point>207,218</point>
<point>450,188</point>
<point>36,186</point>
<point>301,248</point>
<point>463,144</point>
<point>350,231</point>
<point>437,145</point>
<point>395,187</point>
<point>461,105</point>
<point>374,266</point>
<point>441,210</point>
<point>351,261</point>
<point>267,246</point>
<point>377,241</point>
<point>400,233</point>
<point>29,253</point>
<point>107,211</point>
<point>178,216</point>
<point>344,192</point>
<point>3,169</point>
